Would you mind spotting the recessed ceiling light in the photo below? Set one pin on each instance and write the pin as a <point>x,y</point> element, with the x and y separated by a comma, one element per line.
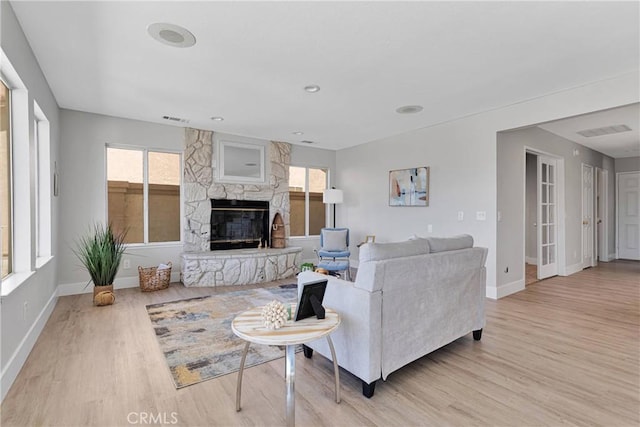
<point>171,35</point>
<point>217,118</point>
<point>312,88</point>
<point>298,133</point>
<point>409,109</point>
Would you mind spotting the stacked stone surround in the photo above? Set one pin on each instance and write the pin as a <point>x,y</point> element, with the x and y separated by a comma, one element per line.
<point>239,266</point>
<point>202,267</point>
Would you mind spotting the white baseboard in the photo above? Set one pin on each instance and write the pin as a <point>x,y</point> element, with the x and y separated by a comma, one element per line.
<point>19,357</point>
<point>65,289</point>
<point>497,292</point>
<point>531,260</point>
<point>572,269</point>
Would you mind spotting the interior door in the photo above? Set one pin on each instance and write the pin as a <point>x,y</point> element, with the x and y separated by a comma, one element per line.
<point>547,217</point>
<point>629,215</point>
<point>587,216</point>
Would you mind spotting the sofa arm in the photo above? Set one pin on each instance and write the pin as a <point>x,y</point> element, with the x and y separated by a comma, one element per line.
<point>357,340</point>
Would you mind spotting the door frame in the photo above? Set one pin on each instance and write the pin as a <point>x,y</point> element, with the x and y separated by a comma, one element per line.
<point>560,179</point>
<point>617,215</point>
<point>602,176</point>
<point>593,262</point>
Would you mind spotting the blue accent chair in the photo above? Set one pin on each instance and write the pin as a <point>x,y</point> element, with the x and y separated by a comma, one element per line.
<point>334,253</point>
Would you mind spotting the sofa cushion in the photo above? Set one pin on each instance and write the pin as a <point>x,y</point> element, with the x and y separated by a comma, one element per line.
<point>442,244</point>
<point>334,240</point>
<point>380,251</point>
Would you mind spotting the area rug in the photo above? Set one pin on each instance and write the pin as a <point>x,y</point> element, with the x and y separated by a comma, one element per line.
<point>196,338</point>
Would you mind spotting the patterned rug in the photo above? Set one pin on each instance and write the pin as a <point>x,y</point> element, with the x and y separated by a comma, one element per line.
<point>196,338</point>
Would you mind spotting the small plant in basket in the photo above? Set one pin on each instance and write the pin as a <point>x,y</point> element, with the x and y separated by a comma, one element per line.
<point>100,252</point>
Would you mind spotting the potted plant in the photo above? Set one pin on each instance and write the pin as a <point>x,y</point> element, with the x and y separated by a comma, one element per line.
<point>307,266</point>
<point>100,252</point>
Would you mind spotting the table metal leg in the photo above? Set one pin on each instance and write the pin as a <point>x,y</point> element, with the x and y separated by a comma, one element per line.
<point>290,378</point>
<point>240,372</point>
<point>336,369</point>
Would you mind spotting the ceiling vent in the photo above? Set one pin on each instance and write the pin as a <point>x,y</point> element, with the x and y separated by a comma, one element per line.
<point>175,119</point>
<point>607,130</point>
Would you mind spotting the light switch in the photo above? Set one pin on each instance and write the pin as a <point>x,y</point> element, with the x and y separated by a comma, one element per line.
<point>430,228</point>
<point>460,215</point>
<point>481,215</point>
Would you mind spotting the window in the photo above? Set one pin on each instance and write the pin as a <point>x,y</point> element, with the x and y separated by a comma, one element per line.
<point>6,209</point>
<point>308,213</point>
<point>143,188</point>
<point>42,175</point>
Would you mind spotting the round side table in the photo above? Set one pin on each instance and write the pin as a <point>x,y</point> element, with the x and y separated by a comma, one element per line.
<point>249,326</point>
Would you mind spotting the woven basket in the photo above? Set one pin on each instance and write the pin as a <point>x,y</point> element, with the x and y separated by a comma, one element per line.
<point>154,278</point>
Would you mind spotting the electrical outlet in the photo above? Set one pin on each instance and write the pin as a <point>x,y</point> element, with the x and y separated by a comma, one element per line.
<point>25,310</point>
<point>126,264</point>
<point>429,228</point>
<point>460,216</point>
<point>481,215</point>
<point>499,216</point>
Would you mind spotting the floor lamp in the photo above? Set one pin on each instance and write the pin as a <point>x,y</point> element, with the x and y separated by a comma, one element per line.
<point>334,197</point>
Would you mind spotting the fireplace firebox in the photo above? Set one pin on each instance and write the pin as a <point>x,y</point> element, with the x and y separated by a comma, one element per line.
<point>238,224</point>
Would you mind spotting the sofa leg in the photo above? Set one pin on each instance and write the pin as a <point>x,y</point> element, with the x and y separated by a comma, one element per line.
<point>477,334</point>
<point>368,389</point>
<point>308,351</point>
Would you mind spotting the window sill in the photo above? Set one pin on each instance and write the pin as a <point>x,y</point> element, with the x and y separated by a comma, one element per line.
<point>317,236</point>
<point>42,261</point>
<point>13,282</point>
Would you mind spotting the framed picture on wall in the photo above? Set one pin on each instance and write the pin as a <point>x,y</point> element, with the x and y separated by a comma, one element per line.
<point>409,187</point>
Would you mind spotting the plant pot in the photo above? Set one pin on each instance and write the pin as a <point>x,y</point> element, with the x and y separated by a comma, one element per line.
<point>103,295</point>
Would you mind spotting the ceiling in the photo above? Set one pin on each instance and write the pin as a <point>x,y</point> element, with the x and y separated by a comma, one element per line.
<point>622,144</point>
<point>251,61</point>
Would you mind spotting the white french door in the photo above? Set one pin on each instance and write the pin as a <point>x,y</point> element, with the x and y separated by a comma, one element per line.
<point>629,215</point>
<point>547,217</point>
<point>587,216</point>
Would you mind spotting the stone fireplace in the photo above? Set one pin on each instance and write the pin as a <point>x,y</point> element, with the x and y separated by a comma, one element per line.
<point>202,266</point>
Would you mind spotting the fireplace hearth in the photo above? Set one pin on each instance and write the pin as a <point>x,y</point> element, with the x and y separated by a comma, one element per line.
<point>238,224</point>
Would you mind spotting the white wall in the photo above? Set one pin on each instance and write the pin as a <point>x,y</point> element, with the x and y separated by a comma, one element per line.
<point>627,164</point>
<point>83,191</point>
<point>462,157</point>
<point>511,172</point>
<point>315,158</point>
<point>19,330</point>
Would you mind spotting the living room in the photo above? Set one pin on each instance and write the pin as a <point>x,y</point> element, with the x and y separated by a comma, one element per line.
<point>459,138</point>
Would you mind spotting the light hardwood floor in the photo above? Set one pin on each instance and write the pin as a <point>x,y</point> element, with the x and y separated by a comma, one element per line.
<point>563,351</point>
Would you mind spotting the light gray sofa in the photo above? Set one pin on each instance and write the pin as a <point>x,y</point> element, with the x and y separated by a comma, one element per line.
<point>409,299</point>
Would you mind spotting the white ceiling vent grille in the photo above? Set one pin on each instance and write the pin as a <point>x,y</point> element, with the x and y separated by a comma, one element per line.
<point>175,119</point>
<point>607,130</point>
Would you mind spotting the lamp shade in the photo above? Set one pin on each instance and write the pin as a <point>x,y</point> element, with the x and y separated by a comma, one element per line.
<point>331,195</point>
